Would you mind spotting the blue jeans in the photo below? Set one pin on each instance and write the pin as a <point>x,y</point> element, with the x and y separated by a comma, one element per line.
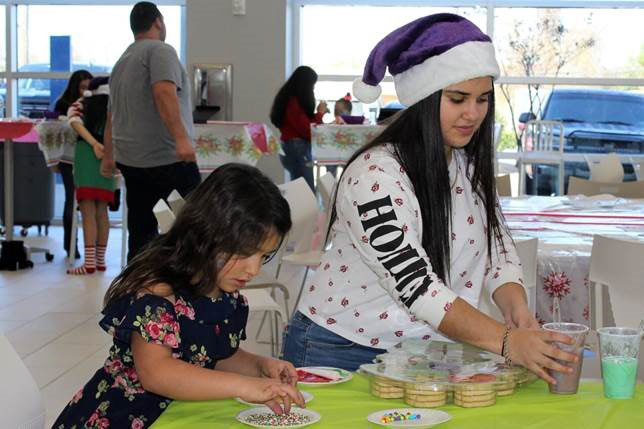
<point>308,344</point>
<point>298,160</point>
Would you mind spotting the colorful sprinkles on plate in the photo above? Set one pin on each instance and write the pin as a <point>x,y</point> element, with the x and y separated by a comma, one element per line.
<point>270,419</point>
<point>398,417</point>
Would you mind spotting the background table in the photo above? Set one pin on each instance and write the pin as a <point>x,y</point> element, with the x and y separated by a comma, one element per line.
<point>218,143</point>
<point>56,140</point>
<point>347,406</point>
<point>333,144</point>
<point>565,227</point>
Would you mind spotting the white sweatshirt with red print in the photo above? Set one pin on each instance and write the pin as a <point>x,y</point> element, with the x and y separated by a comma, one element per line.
<point>375,285</point>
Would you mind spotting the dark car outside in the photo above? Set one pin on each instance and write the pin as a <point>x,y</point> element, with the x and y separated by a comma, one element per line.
<point>595,121</point>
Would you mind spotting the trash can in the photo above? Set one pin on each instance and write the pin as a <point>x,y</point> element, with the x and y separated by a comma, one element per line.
<point>33,187</point>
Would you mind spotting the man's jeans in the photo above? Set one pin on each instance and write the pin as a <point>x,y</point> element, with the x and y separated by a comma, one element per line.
<point>144,187</point>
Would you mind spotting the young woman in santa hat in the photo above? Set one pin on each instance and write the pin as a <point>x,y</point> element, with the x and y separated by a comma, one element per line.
<point>416,233</point>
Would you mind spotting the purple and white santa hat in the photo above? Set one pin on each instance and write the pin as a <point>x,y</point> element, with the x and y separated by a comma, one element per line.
<point>427,55</point>
<point>97,86</point>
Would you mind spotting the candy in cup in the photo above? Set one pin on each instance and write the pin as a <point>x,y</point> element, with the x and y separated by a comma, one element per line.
<point>619,349</point>
<point>568,383</point>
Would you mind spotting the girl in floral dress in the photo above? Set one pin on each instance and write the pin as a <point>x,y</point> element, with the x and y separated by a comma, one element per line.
<point>177,315</point>
<point>416,232</point>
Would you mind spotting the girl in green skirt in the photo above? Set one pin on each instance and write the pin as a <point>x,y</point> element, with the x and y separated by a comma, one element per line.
<point>93,191</point>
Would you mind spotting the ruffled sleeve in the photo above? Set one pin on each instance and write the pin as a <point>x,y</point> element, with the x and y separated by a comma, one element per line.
<point>153,317</point>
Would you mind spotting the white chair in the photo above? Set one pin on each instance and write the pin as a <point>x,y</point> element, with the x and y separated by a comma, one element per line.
<point>272,168</point>
<point>617,279</point>
<point>605,168</point>
<point>504,185</point>
<point>325,188</point>
<point>20,397</point>
<point>527,252</point>
<point>296,248</point>
<point>165,216</point>
<point>578,186</point>
<point>538,147</point>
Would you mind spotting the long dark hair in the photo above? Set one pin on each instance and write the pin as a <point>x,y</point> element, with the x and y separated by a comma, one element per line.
<point>231,213</point>
<point>418,145</point>
<point>71,92</point>
<point>95,115</point>
<point>299,85</point>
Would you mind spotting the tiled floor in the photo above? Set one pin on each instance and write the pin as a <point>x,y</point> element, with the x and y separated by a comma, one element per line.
<point>51,319</point>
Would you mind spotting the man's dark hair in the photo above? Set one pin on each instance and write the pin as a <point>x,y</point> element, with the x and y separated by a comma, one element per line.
<point>143,16</point>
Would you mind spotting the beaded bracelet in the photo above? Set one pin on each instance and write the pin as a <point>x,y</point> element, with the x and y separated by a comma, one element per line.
<point>505,351</point>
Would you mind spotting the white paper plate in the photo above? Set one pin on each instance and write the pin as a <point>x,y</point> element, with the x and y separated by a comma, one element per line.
<point>344,374</point>
<point>243,416</point>
<point>307,398</point>
<point>429,418</point>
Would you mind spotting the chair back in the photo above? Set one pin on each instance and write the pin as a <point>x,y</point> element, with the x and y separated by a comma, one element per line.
<point>165,216</point>
<point>616,265</point>
<point>496,136</point>
<point>541,136</point>
<point>578,186</point>
<point>270,165</point>
<point>606,168</point>
<point>20,397</point>
<point>304,214</point>
<point>527,252</point>
<point>637,167</point>
<point>504,185</point>
<point>326,185</point>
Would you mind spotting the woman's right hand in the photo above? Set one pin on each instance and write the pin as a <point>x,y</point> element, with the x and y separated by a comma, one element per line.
<point>272,393</point>
<point>532,349</point>
<point>322,108</point>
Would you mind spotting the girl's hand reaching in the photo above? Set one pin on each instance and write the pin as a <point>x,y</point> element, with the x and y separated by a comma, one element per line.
<point>279,370</point>
<point>276,395</point>
<point>98,150</point>
<point>322,108</point>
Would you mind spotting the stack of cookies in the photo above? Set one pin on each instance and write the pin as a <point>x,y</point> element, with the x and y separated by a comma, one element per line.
<point>425,394</point>
<point>386,388</point>
<point>469,395</point>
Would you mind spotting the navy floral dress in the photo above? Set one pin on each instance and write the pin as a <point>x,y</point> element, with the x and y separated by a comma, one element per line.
<point>200,330</point>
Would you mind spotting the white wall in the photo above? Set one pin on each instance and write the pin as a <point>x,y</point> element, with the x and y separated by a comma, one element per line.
<point>255,44</point>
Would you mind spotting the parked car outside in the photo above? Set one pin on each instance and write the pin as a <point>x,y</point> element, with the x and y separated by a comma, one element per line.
<point>34,94</point>
<point>595,121</point>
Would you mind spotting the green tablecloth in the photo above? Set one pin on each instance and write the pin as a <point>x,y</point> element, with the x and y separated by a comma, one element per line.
<point>347,406</point>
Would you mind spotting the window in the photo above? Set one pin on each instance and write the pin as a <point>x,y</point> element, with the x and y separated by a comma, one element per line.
<point>94,41</point>
<point>3,40</point>
<point>570,42</point>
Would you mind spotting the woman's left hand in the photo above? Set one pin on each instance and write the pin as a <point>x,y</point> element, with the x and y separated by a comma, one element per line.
<point>278,369</point>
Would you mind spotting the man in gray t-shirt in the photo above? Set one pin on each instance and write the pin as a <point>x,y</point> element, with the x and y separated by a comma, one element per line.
<point>149,131</point>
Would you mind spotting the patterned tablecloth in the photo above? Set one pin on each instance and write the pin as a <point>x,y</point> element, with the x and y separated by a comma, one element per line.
<point>333,144</point>
<point>216,143</point>
<point>565,228</point>
<point>56,140</point>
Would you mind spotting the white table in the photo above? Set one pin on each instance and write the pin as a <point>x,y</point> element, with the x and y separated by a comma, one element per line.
<point>565,227</point>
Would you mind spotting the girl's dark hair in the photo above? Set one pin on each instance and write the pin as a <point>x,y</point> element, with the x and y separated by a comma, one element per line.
<point>95,115</point>
<point>299,85</point>
<point>71,92</point>
<point>418,145</point>
<point>231,213</point>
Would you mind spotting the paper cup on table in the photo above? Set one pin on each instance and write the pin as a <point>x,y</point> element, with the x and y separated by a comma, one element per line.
<point>568,383</point>
<point>619,349</point>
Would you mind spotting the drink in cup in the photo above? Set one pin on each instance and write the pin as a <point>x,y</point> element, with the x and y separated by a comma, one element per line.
<point>568,383</point>
<point>619,350</point>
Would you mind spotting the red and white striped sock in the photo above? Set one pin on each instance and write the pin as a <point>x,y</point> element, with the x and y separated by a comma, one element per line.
<point>100,257</point>
<point>90,263</point>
